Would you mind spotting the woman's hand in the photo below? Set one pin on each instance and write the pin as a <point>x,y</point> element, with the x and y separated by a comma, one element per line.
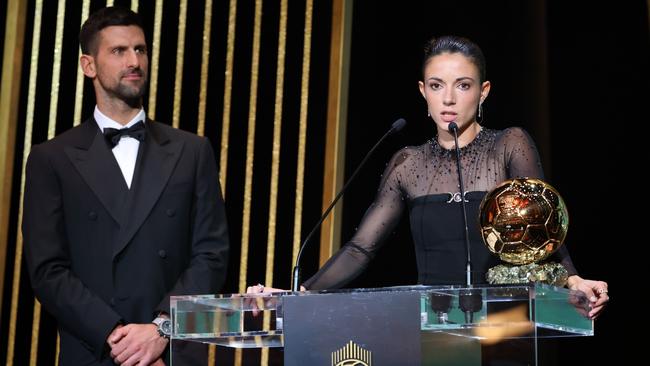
<point>259,289</point>
<point>252,302</point>
<point>596,291</point>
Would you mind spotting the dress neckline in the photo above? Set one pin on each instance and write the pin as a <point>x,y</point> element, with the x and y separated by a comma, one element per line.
<point>480,137</point>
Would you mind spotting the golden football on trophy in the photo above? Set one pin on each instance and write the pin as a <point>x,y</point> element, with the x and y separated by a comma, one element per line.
<point>523,221</point>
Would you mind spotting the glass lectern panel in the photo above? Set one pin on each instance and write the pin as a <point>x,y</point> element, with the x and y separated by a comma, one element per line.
<point>490,312</point>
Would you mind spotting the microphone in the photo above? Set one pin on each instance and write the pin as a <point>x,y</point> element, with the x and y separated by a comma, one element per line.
<point>441,305</point>
<point>470,300</point>
<point>395,127</point>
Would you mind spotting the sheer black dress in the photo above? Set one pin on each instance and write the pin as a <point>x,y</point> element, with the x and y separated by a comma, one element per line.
<point>424,181</point>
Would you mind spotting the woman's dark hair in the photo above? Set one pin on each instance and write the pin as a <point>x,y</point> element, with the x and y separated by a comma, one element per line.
<point>106,17</point>
<point>455,44</point>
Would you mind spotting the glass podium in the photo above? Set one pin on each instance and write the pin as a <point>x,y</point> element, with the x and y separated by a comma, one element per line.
<point>409,325</point>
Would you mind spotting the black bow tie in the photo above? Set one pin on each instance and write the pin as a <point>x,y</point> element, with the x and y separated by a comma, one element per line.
<point>113,135</point>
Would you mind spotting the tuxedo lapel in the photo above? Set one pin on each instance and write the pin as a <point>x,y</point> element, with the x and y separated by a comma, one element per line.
<point>157,158</point>
<point>96,164</point>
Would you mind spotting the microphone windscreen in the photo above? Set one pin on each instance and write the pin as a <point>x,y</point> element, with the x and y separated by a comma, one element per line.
<point>398,125</point>
<point>452,126</point>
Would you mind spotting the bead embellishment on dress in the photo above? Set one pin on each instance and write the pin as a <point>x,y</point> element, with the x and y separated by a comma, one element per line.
<point>455,197</point>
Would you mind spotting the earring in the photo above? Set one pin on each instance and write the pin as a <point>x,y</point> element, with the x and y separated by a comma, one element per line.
<point>428,114</point>
<point>479,118</point>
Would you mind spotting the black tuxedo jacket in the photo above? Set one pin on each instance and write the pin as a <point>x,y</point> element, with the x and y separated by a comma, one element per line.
<point>99,254</point>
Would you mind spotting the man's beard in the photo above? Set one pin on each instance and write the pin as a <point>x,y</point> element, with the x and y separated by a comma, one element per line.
<point>127,91</point>
<point>131,95</point>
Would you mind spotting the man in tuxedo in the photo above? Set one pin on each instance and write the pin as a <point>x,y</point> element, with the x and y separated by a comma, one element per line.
<point>121,212</point>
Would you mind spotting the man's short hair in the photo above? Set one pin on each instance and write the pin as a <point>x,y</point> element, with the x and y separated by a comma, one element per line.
<point>106,17</point>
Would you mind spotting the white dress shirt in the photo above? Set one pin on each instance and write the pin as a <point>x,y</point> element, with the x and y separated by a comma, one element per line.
<point>126,151</point>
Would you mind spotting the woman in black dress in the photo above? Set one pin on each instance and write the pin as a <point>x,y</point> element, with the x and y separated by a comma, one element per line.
<point>423,180</point>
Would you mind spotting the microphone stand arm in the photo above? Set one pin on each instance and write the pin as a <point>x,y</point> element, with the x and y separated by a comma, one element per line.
<point>470,300</point>
<point>468,279</point>
<point>295,283</point>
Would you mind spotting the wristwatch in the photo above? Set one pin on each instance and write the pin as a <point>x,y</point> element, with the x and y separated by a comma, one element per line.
<point>164,326</point>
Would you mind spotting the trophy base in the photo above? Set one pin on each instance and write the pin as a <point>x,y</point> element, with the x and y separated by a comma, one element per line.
<point>549,273</point>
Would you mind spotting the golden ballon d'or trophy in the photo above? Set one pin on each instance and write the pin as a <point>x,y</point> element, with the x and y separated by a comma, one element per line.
<point>524,221</point>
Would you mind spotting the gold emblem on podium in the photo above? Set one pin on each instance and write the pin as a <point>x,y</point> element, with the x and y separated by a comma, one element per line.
<point>352,355</point>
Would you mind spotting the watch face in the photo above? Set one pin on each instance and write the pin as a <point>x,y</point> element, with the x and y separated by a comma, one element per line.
<point>166,327</point>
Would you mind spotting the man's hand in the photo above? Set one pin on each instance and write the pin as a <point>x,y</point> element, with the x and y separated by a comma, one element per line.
<point>113,336</point>
<point>137,344</point>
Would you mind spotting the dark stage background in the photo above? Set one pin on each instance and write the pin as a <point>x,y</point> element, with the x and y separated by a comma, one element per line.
<point>573,74</point>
